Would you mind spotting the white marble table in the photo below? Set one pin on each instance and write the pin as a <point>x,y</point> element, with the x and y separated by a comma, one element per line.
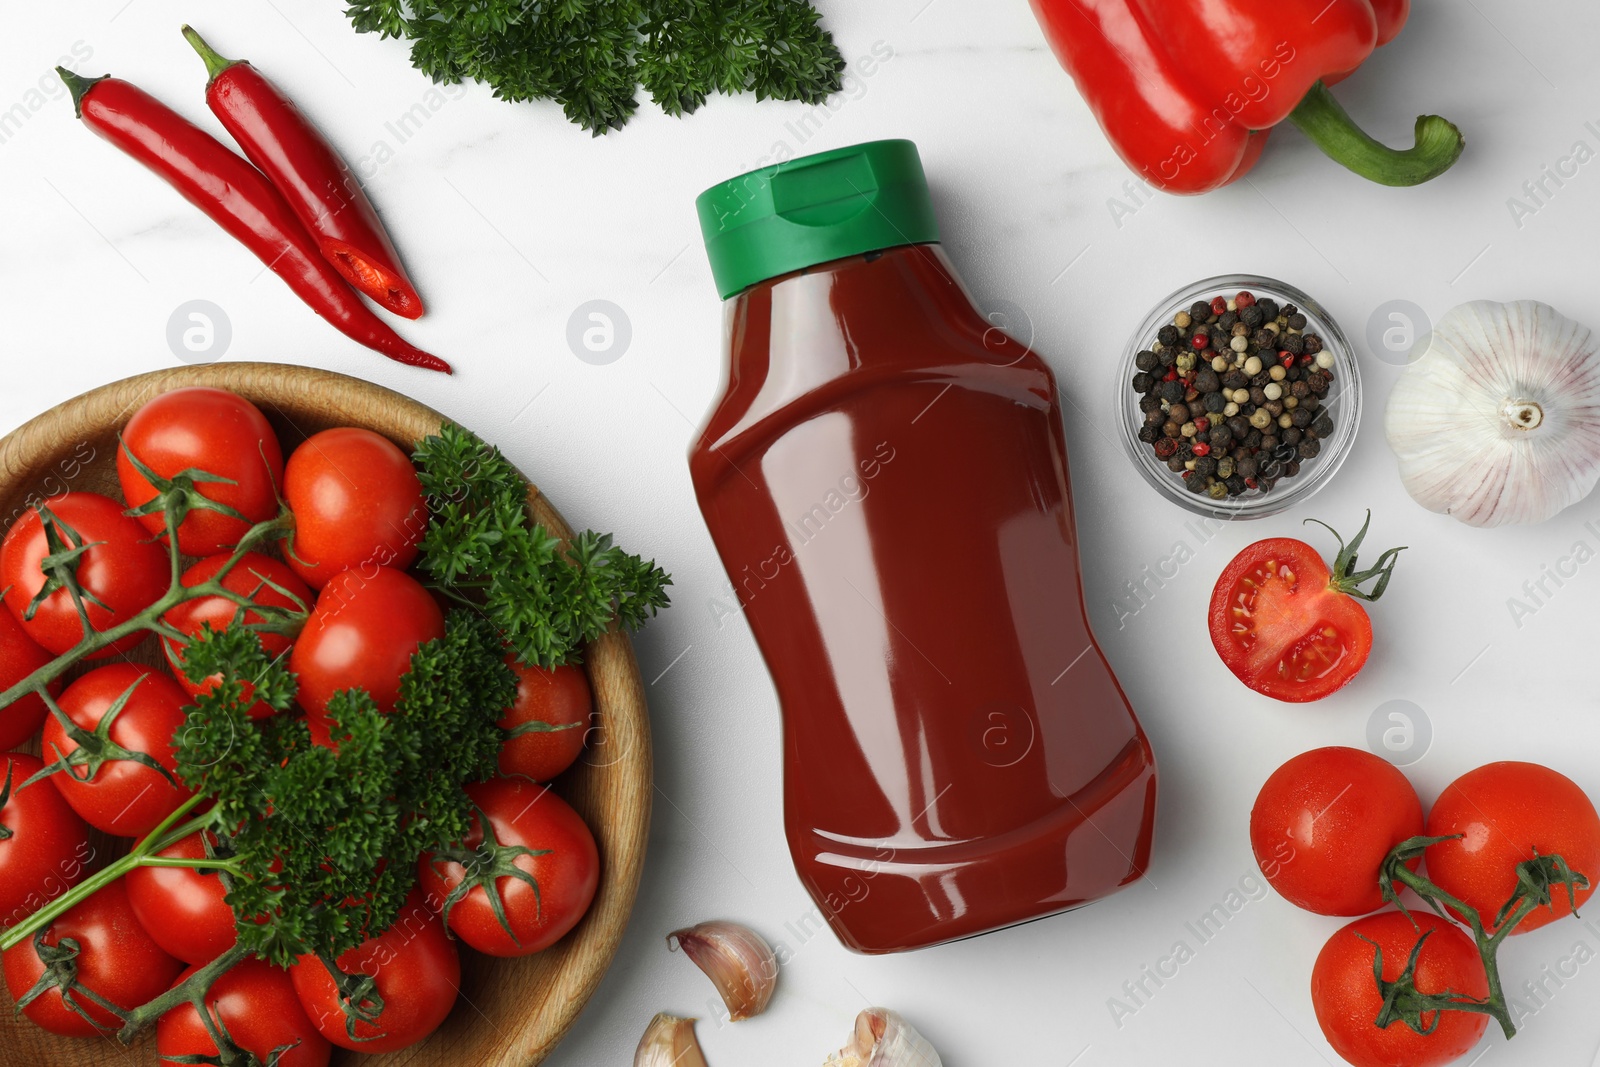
<point>511,220</point>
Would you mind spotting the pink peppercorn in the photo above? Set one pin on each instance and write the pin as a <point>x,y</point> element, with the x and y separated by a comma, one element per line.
<point>1244,300</point>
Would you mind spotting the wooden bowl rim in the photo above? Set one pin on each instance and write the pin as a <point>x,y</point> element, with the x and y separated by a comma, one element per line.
<point>32,452</point>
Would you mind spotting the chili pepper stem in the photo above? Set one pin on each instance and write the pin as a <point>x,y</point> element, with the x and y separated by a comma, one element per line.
<point>78,85</point>
<point>215,63</point>
<point>1321,117</point>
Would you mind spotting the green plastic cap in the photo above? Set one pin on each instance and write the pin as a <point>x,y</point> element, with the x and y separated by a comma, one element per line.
<point>815,209</point>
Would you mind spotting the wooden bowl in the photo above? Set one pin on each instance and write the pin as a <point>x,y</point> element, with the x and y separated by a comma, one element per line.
<point>511,1012</point>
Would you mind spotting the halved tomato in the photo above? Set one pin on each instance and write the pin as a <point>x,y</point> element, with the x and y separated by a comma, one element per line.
<point>1289,627</point>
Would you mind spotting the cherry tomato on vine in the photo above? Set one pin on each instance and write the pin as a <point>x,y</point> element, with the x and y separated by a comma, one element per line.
<point>183,907</point>
<point>121,797</point>
<point>1323,823</point>
<point>1506,813</point>
<point>114,957</point>
<point>260,578</point>
<point>357,503</point>
<point>361,635</point>
<point>1345,994</point>
<point>198,428</point>
<point>20,656</point>
<point>1286,625</point>
<point>44,845</point>
<point>566,869</point>
<point>418,972</point>
<point>256,1006</point>
<point>121,569</point>
<point>553,709</point>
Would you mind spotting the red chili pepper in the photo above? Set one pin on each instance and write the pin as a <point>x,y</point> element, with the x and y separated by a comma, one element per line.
<point>238,198</point>
<point>1187,90</point>
<point>280,140</point>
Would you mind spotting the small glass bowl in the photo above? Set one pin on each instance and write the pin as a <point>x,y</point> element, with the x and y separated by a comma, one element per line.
<point>1343,402</point>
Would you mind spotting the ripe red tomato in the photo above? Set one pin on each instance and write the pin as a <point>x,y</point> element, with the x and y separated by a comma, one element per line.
<point>560,699</point>
<point>44,845</point>
<point>20,657</point>
<point>1286,625</point>
<point>257,1007</point>
<point>116,959</point>
<point>568,871</point>
<point>1323,823</point>
<point>211,430</point>
<point>357,503</point>
<point>1505,813</point>
<point>182,907</point>
<point>123,798</point>
<point>124,570</point>
<point>253,576</point>
<point>361,635</point>
<point>418,974</point>
<point>1346,999</point>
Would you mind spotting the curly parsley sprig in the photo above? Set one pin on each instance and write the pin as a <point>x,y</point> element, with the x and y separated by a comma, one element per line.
<point>592,57</point>
<point>483,549</point>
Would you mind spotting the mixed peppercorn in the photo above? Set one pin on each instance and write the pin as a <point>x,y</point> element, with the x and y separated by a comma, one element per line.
<point>1232,393</point>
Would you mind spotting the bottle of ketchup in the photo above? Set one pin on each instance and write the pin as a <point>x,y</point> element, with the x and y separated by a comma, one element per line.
<point>885,478</point>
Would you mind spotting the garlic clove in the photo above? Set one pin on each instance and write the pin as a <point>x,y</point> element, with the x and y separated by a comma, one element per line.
<point>883,1039</point>
<point>738,961</point>
<point>669,1042</point>
<point>1498,421</point>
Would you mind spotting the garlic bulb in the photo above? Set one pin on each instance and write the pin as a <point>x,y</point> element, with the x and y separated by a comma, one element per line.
<point>669,1042</point>
<point>1499,420</point>
<point>884,1039</point>
<point>738,961</point>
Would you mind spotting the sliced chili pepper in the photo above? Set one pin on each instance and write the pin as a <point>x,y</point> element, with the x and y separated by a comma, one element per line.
<point>238,198</point>
<point>280,140</point>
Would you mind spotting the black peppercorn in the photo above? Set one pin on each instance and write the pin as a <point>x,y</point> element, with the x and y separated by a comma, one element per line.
<point>1200,311</point>
<point>1194,483</point>
<point>1323,425</point>
<point>1168,334</point>
<point>1252,439</point>
<point>1219,437</point>
<point>1236,484</point>
<point>1145,360</point>
<point>1227,319</point>
<point>1172,429</point>
<point>1269,308</point>
<point>1292,435</point>
<point>1149,402</point>
<point>1252,316</point>
<point>1297,321</point>
<point>1246,467</point>
<point>1300,417</point>
<point>1176,464</point>
<point>1292,343</point>
<point>1167,357</point>
<point>1214,403</point>
<point>1268,442</point>
<point>1142,382</point>
<point>1172,390</point>
<point>1258,394</point>
<point>1309,448</point>
<point>1206,381</point>
<point>1178,413</point>
<point>1235,379</point>
<point>1204,467</point>
<point>1274,408</point>
<point>1313,343</point>
<point>1156,416</point>
<point>1299,390</point>
<point>1264,339</point>
<point>1148,434</point>
<point>1291,469</point>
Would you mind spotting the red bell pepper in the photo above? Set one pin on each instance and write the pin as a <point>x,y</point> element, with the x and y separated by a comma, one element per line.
<point>284,144</point>
<point>1187,90</point>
